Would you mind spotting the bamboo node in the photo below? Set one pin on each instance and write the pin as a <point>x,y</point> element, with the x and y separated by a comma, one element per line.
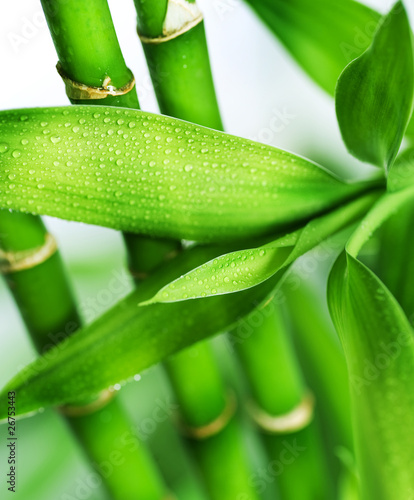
<point>215,426</point>
<point>79,91</point>
<point>11,262</point>
<point>81,410</point>
<point>181,17</point>
<point>293,421</point>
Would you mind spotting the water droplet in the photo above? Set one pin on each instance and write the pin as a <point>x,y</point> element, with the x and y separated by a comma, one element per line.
<point>3,147</point>
<point>16,153</point>
<point>55,139</point>
<point>188,168</point>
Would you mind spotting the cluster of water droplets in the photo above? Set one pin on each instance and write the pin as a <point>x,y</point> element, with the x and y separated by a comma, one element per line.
<point>141,172</point>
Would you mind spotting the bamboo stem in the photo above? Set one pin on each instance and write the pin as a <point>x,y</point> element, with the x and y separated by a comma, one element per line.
<point>48,309</point>
<point>180,70</point>
<point>281,406</point>
<point>88,48</point>
<point>99,63</point>
<point>322,355</point>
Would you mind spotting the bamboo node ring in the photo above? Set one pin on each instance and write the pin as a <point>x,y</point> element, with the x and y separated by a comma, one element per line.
<point>213,427</point>
<point>79,91</point>
<point>181,17</point>
<point>11,262</point>
<point>81,410</point>
<point>293,421</point>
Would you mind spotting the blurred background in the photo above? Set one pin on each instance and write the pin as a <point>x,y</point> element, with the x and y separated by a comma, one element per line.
<point>258,86</point>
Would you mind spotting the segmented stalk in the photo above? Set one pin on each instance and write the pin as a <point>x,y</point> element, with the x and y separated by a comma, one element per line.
<point>90,58</point>
<point>282,406</point>
<point>174,42</point>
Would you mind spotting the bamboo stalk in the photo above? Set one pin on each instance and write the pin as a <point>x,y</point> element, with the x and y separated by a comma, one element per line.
<point>282,407</point>
<point>179,66</point>
<point>322,355</point>
<point>89,69</point>
<point>88,48</point>
<point>178,61</point>
<point>44,297</point>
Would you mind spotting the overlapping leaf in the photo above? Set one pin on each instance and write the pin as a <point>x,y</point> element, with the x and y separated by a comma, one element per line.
<point>374,95</point>
<point>126,339</point>
<point>246,268</point>
<point>379,347</point>
<point>323,35</point>
<point>401,175</point>
<point>139,172</point>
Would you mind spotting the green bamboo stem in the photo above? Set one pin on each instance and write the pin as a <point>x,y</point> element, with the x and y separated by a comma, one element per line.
<point>71,23</point>
<point>277,387</point>
<point>51,315</point>
<point>181,75</point>
<point>179,68</point>
<point>322,354</point>
<point>198,385</point>
<point>88,48</point>
<point>48,309</point>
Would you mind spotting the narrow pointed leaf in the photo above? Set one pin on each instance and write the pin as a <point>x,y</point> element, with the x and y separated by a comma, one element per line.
<point>374,95</point>
<point>323,35</point>
<point>128,339</point>
<point>379,347</point>
<point>150,174</point>
<point>246,268</point>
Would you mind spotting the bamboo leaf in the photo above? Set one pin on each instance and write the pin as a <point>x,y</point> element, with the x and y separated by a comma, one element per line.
<point>243,269</point>
<point>128,339</point>
<point>323,35</point>
<point>401,174</point>
<point>374,95</point>
<point>379,347</point>
<point>156,175</point>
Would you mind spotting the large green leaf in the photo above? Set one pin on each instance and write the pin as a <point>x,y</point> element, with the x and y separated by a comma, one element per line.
<point>374,95</point>
<point>379,347</point>
<point>156,175</point>
<point>128,339</point>
<point>323,35</point>
<point>243,269</point>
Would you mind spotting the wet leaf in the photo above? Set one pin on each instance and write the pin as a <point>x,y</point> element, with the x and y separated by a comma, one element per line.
<point>374,95</point>
<point>128,339</point>
<point>247,268</point>
<point>379,347</point>
<point>155,175</point>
